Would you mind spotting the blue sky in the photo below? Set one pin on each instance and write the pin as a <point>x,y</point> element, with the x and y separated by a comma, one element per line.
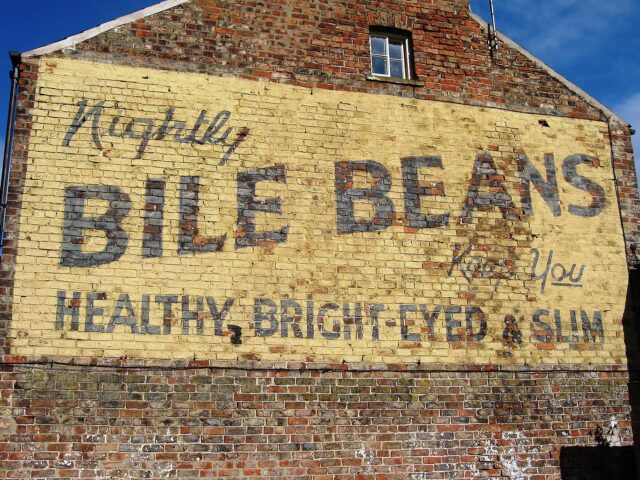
<point>594,43</point>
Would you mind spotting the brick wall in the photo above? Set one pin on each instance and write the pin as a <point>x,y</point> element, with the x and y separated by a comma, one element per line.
<point>408,399</point>
<point>156,249</point>
<point>326,45</point>
<point>627,181</point>
<point>91,423</point>
<point>25,103</point>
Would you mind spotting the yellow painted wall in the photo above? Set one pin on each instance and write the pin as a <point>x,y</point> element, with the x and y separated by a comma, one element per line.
<point>307,132</point>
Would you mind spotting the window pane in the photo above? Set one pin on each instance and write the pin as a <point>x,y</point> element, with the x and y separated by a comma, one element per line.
<point>395,50</point>
<point>378,46</point>
<point>396,69</point>
<point>379,65</point>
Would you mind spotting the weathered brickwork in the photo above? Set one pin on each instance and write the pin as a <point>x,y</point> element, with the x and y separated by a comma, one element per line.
<point>74,423</point>
<point>627,181</point>
<point>410,281</point>
<point>446,244</point>
<point>326,45</point>
<point>26,99</point>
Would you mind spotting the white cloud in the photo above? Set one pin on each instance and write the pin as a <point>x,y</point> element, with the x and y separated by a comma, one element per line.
<point>630,111</point>
<point>552,29</point>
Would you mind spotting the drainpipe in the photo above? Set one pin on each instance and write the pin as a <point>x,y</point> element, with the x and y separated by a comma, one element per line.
<point>8,145</point>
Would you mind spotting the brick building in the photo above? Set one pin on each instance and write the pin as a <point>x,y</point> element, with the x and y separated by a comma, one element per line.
<point>319,240</point>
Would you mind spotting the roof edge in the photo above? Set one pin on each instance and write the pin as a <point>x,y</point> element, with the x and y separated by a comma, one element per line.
<point>570,85</point>
<point>88,34</point>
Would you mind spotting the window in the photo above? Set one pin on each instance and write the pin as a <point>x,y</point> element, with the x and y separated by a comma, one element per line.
<point>391,53</point>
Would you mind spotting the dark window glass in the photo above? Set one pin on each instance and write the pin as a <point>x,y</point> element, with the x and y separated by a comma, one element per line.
<point>379,66</point>
<point>378,45</point>
<point>397,69</point>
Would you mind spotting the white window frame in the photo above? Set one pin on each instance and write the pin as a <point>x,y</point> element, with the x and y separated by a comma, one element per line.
<point>407,70</point>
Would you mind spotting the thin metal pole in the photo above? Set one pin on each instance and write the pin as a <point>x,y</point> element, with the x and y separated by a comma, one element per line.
<point>8,146</point>
<point>494,40</point>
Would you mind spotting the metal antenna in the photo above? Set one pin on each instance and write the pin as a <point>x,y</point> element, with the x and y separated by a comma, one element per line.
<point>493,32</point>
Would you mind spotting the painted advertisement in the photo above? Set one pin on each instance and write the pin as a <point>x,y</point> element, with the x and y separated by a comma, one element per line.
<point>177,216</point>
